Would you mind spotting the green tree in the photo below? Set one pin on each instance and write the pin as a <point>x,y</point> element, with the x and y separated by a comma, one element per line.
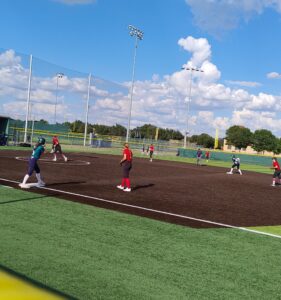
<point>264,140</point>
<point>278,146</point>
<point>193,139</point>
<point>43,121</point>
<point>239,136</point>
<point>205,140</point>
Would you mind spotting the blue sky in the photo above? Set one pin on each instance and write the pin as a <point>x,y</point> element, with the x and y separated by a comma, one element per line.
<point>236,43</point>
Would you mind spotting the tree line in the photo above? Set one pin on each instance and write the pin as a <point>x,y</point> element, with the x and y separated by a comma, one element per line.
<point>146,131</point>
<point>260,140</point>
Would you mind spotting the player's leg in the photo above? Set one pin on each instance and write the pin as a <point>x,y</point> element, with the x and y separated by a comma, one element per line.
<point>150,155</point>
<point>55,151</point>
<point>126,174</point>
<point>40,182</point>
<point>62,154</point>
<point>279,177</point>
<point>231,170</point>
<point>238,169</point>
<point>31,164</point>
<point>123,183</point>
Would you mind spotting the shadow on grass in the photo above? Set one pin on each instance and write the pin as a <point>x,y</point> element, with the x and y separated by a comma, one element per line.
<point>35,283</point>
<point>30,199</point>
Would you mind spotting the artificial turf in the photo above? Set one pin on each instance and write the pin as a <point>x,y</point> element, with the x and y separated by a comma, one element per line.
<point>93,253</point>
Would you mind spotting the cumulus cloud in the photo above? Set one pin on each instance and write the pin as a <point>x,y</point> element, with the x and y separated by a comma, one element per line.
<point>217,17</point>
<point>162,101</point>
<point>200,49</point>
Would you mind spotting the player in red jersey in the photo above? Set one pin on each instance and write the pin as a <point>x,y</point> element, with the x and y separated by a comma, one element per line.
<point>151,150</point>
<point>57,148</point>
<point>126,163</point>
<point>277,171</point>
<point>207,156</point>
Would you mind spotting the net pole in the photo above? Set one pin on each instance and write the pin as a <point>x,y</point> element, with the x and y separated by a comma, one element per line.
<point>87,108</point>
<point>28,99</point>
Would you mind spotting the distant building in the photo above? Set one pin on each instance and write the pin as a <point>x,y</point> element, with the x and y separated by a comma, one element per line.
<point>248,150</point>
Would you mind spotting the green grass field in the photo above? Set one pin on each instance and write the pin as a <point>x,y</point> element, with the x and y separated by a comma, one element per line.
<point>92,253</point>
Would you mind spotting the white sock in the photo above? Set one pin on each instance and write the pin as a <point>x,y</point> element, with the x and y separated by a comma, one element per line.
<point>240,172</point>
<point>38,176</point>
<point>25,179</point>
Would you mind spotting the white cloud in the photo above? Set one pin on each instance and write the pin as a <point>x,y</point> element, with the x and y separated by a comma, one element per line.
<point>159,101</point>
<point>217,17</point>
<point>257,120</point>
<point>200,49</point>
<point>273,75</point>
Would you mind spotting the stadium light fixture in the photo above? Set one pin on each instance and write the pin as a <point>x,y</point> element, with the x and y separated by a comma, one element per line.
<point>58,75</point>
<point>189,99</point>
<point>138,34</point>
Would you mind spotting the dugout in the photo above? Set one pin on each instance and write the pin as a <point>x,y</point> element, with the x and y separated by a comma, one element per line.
<point>4,130</point>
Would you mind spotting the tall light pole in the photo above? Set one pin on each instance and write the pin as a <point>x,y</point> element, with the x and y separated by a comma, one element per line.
<point>28,99</point>
<point>189,99</point>
<point>87,108</point>
<point>59,75</point>
<point>139,36</point>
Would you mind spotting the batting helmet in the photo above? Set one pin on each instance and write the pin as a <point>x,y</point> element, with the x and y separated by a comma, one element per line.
<point>41,141</point>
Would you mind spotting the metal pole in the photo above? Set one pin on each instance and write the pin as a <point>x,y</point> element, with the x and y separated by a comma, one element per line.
<point>188,102</point>
<point>87,109</point>
<point>32,129</point>
<point>187,116</point>
<point>28,99</point>
<point>132,90</point>
<point>59,75</point>
<point>55,118</point>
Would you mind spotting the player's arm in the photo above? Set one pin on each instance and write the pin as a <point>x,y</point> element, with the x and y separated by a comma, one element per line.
<point>123,159</point>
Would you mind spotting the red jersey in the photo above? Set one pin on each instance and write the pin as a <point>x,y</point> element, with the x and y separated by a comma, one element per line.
<point>151,148</point>
<point>275,165</point>
<point>55,140</point>
<point>129,154</point>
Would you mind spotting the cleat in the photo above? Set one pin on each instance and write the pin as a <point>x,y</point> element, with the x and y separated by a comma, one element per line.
<point>24,186</point>
<point>54,159</point>
<point>229,173</point>
<point>120,187</point>
<point>41,184</point>
<point>272,185</point>
<point>65,159</point>
<point>127,190</point>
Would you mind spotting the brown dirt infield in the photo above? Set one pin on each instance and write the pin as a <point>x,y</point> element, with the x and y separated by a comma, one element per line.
<point>202,192</point>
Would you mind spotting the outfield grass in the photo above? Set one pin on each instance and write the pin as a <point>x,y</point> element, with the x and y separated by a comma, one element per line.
<point>92,253</point>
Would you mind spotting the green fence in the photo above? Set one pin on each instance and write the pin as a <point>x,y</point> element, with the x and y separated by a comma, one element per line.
<point>226,156</point>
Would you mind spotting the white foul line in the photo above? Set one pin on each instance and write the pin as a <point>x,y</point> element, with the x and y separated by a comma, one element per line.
<point>155,211</point>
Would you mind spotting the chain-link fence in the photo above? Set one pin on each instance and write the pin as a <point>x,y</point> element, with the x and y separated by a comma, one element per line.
<point>29,85</point>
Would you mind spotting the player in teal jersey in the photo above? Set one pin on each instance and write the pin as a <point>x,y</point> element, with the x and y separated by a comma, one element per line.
<point>38,150</point>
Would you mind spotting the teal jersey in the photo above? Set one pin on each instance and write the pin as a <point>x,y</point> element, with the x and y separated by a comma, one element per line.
<point>37,152</point>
